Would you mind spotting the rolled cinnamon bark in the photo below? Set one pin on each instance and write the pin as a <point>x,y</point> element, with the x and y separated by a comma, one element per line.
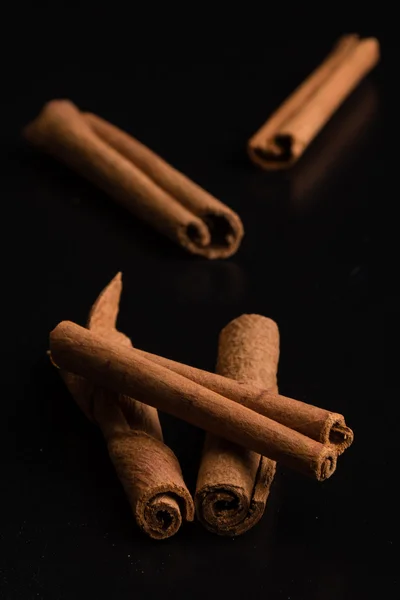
<point>317,423</point>
<point>148,470</point>
<point>137,178</point>
<point>233,483</point>
<point>284,137</point>
<point>119,369</point>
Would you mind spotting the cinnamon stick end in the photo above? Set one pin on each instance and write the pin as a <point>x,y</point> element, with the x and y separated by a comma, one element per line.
<point>228,510</point>
<point>150,474</point>
<point>214,235</point>
<point>278,153</point>
<point>326,465</point>
<point>35,130</point>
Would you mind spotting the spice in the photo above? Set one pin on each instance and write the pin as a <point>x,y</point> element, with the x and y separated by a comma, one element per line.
<point>317,423</point>
<point>137,178</point>
<point>287,133</point>
<point>118,369</point>
<point>146,467</point>
<point>233,483</point>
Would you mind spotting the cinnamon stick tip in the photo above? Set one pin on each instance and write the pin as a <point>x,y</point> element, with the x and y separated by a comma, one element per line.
<point>341,437</point>
<point>213,235</point>
<point>61,332</point>
<point>274,154</point>
<point>31,131</point>
<point>247,318</point>
<point>327,464</point>
<point>160,514</point>
<point>221,508</point>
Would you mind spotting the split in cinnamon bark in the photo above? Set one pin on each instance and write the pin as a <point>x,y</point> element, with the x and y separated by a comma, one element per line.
<point>148,470</point>
<point>317,423</point>
<point>285,136</point>
<point>111,365</point>
<point>233,483</point>
<point>137,178</point>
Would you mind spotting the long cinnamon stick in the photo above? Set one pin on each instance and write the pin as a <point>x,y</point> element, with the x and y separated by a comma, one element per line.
<point>284,137</point>
<point>119,369</point>
<point>317,423</point>
<point>148,470</point>
<point>137,178</point>
<point>233,483</point>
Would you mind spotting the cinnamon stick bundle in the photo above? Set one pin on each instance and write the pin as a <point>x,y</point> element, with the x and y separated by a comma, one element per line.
<point>284,137</point>
<point>317,423</point>
<point>137,178</point>
<point>233,483</point>
<point>113,366</point>
<point>148,470</point>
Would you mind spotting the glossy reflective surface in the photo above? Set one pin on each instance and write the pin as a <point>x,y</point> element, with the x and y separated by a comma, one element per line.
<point>318,257</point>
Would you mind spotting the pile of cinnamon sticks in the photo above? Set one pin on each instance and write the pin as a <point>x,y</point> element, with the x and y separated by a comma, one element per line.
<point>249,425</point>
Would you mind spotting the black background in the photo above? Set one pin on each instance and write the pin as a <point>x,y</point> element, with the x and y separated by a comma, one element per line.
<point>319,257</point>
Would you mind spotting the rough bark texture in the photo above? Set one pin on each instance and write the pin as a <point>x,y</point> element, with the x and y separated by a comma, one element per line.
<point>233,483</point>
<point>119,369</point>
<point>317,423</point>
<point>146,467</point>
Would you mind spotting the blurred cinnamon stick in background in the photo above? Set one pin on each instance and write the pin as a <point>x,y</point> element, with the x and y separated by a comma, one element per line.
<point>137,178</point>
<point>284,137</point>
<point>148,470</point>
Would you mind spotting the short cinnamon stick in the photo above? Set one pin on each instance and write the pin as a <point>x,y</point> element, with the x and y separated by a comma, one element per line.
<point>119,369</point>
<point>138,179</point>
<point>148,470</point>
<point>281,141</point>
<point>233,483</point>
<point>317,423</point>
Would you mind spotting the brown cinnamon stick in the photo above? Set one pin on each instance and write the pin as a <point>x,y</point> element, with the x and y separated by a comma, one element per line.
<point>233,483</point>
<point>281,141</point>
<point>138,179</point>
<point>119,369</point>
<point>317,423</point>
<point>148,470</point>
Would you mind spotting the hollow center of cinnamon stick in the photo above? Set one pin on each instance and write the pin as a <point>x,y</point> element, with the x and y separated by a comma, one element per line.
<point>220,230</point>
<point>164,518</point>
<point>328,467</point>
<point>279,148</point>
<point>340,436</point>
<point>221,506</point>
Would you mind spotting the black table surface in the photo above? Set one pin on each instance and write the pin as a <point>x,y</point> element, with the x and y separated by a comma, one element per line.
<point>318,257</point>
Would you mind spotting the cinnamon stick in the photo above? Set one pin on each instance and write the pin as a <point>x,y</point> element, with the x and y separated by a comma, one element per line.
<point>233,483</point>
<point>284,137</point>
<point>116,368</point>
<point>148,470</point>
<point>317,423</point>
<point>137,178</point>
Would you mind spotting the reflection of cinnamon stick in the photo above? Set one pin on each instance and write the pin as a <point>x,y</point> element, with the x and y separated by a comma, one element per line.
<point>317,423</point>
<point>233,483</point>
<point>340,142</point>
<point>119,369</point>
<point>288,132</point>
<point>148,470</point>
<point>137,178</point>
